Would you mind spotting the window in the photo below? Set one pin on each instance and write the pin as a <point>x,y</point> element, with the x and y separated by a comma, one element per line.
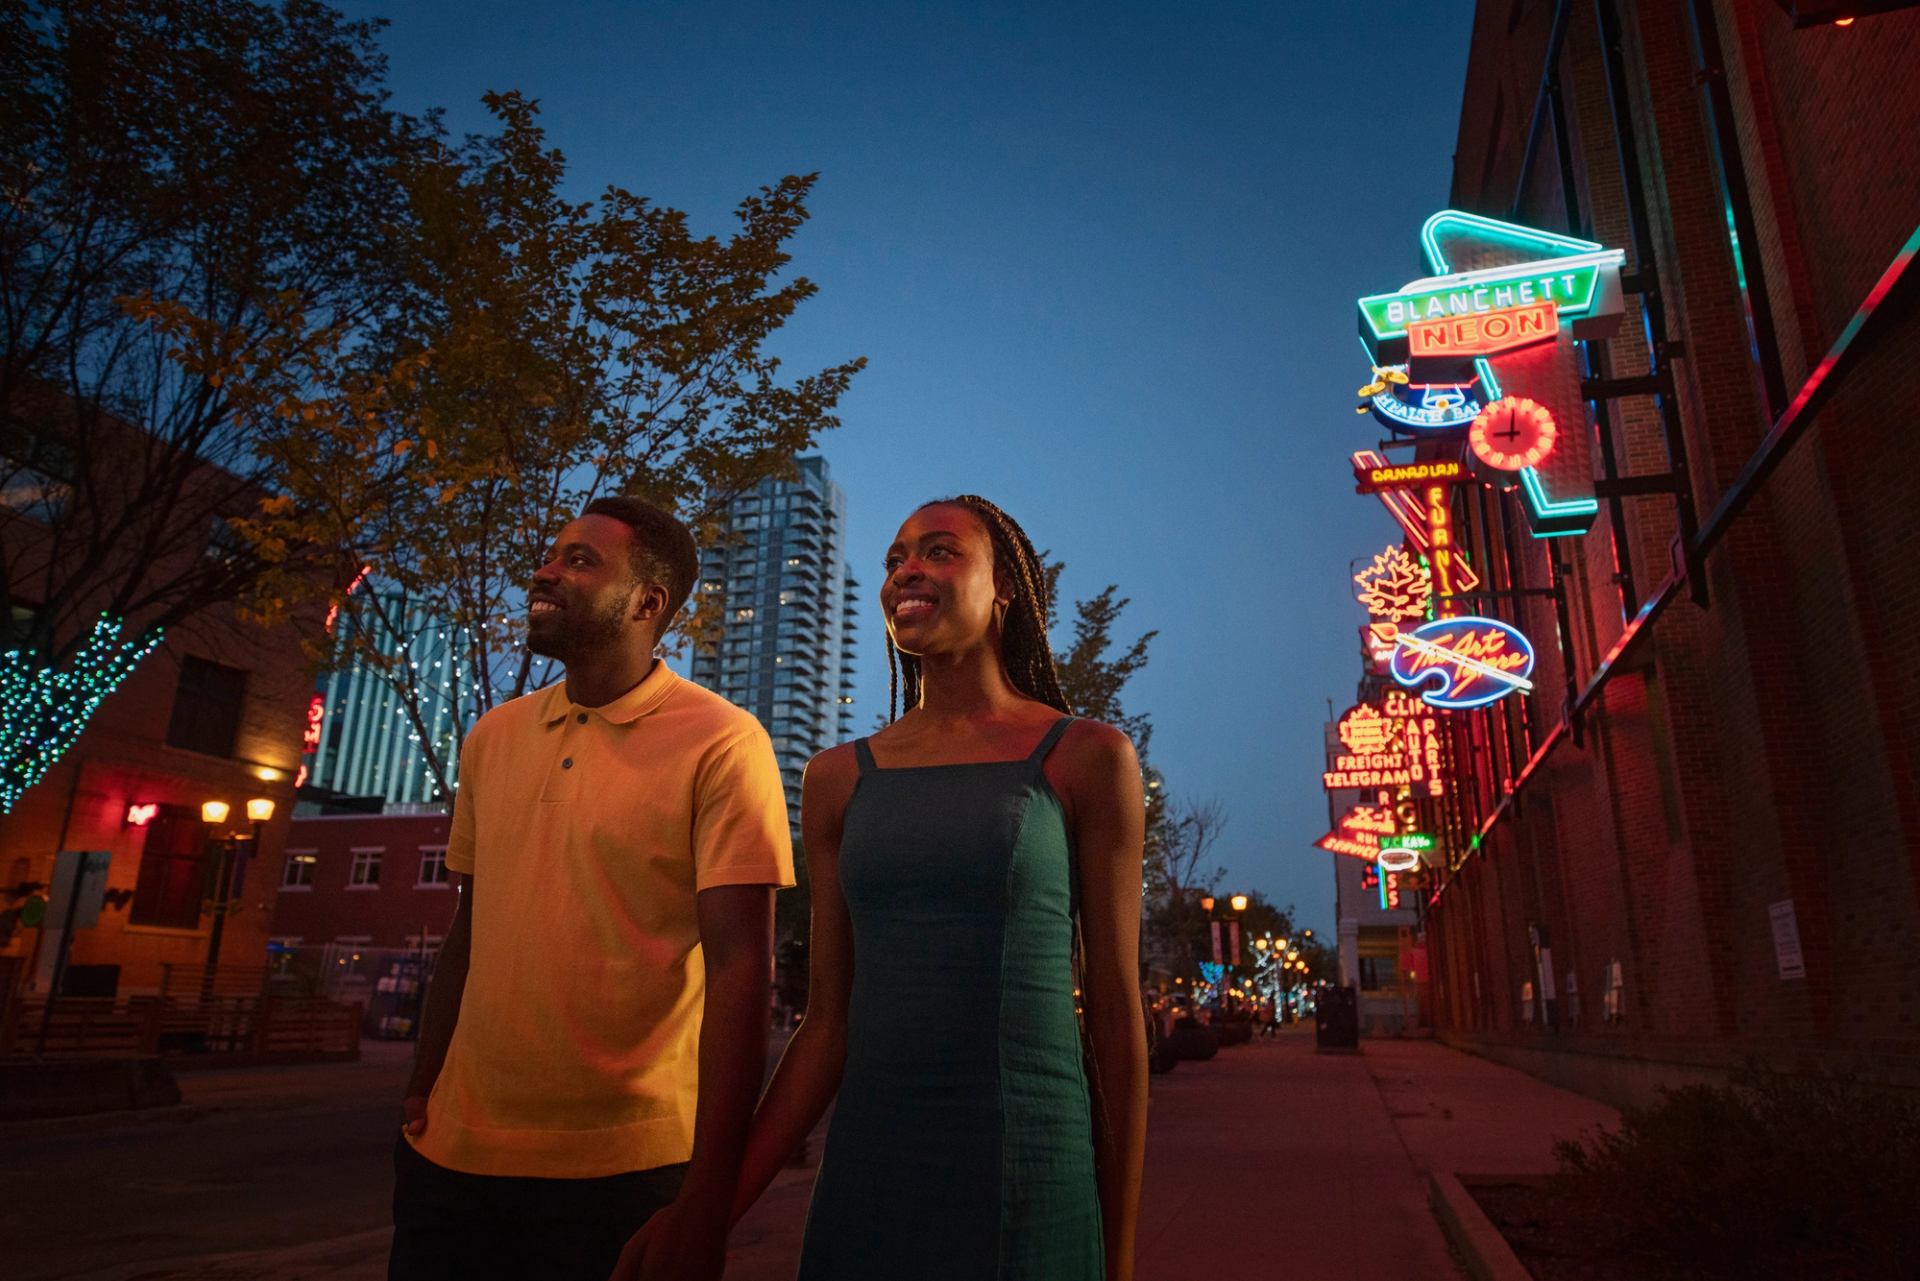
<point>172,879</point>
<point>365,874</point>
<point>1376,972</point>
<point>299,870</point>
<point>433,865</point>
<point>206,707</point>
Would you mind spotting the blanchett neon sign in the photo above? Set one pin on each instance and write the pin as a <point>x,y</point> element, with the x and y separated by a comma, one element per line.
<point>1463,662</point>
<point>1571,285</point>
<point>1486,333</point>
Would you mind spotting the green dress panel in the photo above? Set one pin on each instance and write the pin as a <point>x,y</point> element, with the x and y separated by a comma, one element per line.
<point>961,1147</point>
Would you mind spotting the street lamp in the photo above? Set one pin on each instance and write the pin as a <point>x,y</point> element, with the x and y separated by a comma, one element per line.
<point>229,872</point>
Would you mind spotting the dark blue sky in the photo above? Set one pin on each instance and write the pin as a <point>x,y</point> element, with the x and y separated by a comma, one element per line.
<point>1103,259</point>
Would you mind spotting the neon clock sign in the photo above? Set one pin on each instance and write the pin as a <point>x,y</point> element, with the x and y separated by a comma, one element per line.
<point>1458,663</point>
<point>1512,434</point>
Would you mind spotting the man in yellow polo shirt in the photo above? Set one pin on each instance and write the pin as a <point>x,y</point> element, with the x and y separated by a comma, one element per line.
<point>596,1030</point>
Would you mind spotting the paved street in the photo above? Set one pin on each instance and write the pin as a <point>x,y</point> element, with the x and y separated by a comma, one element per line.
<point>1268,1152</point>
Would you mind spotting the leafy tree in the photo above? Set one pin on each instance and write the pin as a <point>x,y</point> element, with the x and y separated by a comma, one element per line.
<point>546,352</point>
<point>224,155</point>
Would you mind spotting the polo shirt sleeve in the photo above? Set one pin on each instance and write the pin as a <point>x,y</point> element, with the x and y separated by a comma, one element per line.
<point>460,838</point>
<point>740,834</point>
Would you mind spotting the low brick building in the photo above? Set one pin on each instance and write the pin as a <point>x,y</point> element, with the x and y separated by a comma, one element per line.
<point>1698,839</point>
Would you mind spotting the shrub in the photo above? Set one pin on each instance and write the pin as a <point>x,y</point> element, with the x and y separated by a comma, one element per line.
<point>1771,1175</point>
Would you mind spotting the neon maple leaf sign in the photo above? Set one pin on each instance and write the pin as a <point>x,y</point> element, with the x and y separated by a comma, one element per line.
<point>1366,731</point>
<point>1395,586</point>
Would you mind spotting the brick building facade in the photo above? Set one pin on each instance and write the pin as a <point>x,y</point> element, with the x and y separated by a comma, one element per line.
<point>376,881</point>
<point>1702,842</point>
<point>217,713</point>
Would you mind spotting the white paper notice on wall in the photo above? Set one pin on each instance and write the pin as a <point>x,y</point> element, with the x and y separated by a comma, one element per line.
<point>1786,940</point>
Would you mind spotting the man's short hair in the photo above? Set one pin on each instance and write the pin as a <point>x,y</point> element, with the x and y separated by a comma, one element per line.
<point>663,548</point>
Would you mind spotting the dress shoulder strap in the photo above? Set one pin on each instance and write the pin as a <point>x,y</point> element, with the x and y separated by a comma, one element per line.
<point>864,755</point>
<point>1052,737</point>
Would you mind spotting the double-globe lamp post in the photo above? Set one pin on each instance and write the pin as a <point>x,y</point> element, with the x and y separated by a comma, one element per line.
<point>1226,949</point>
<point>229,873</point>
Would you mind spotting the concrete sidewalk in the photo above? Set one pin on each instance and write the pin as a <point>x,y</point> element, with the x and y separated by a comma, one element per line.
<point>1269,1160</point>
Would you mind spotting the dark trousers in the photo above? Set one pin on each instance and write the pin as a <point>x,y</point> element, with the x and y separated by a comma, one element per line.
<point>449,1225</point>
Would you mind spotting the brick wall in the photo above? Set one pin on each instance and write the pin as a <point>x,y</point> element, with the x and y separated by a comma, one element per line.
<point>1760,752</point>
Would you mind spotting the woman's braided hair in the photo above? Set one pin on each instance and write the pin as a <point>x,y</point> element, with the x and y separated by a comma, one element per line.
<point>1024,647</point>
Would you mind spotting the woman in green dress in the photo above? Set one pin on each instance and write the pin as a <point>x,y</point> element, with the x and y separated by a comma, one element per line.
<point>962,861</point>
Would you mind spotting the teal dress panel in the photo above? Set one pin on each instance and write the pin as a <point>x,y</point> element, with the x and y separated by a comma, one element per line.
<point>961,1147</point>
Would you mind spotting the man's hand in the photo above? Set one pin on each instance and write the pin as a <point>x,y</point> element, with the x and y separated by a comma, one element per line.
<point>413,1110</point>
<point>677,1244</point>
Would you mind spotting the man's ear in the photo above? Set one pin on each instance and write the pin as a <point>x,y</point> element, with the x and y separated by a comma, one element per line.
<point>649,604</point>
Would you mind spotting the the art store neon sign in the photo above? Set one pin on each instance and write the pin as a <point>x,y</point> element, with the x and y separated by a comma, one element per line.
<point>1460,663</point>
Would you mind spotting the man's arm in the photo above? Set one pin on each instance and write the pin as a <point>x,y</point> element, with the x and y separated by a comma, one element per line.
<point>688,1240</point>
<point>441,1010</point>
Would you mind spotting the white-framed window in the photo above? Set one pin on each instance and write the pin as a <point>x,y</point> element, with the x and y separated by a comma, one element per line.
<point>365,874</point>
<point>298,874</point>
<point>433,867</point>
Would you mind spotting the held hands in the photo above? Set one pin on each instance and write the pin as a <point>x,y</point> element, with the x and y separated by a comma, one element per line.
<point>413,1112</point>
<point>680,1243</point>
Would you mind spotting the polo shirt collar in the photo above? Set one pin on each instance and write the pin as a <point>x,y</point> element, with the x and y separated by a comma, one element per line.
<point>629,707</point>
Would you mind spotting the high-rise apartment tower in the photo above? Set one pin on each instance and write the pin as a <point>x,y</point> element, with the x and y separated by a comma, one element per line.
<point>788,607</point>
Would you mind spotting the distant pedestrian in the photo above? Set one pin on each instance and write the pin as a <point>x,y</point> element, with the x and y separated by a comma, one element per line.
<point>955,858</point>
<point>619,837</point>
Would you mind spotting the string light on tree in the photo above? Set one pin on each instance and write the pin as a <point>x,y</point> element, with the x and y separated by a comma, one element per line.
<point>43,710</point>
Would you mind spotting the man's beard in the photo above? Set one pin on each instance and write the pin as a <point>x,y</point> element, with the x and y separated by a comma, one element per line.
<point>569,636</point>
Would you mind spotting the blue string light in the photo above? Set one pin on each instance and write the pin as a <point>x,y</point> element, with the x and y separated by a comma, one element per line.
<point>43,710</point>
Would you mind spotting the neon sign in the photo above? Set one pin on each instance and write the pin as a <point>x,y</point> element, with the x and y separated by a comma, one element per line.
<point>141,815</point>
<point>1403,405</point>
<point>1514,433</point>
<point>1368,771</point>
<point>1402,853</point>
<point>1464,662</point>
<point>1572,286</point>
<point>1334,843</point>
<point>1376,821</point>
<point>1410,509</point>
<point>1482,268</point>
<point>1395,587</point>
<point>316,714</point>
<point>1370,478</point>
<point>1363,729</point>
<point>1485,333</point>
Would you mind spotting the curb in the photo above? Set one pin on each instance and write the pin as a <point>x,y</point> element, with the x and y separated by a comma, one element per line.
<point>1486,1253</point>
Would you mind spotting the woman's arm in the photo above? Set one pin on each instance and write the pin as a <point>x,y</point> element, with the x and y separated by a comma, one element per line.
<point>809,1072</point>
<point>1109,822</point>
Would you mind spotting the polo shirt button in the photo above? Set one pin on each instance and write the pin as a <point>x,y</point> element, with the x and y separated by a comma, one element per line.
<point>582,718</point>
<point>567,764</point>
